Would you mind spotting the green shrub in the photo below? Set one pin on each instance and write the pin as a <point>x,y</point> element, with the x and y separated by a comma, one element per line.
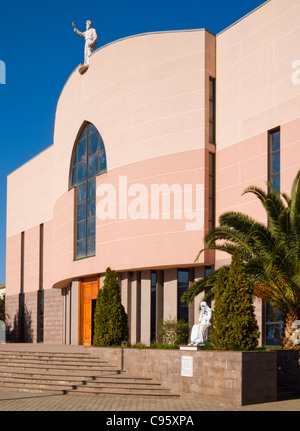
<point>110,320</point>
<point>235,325</point>
<point>174,332</point>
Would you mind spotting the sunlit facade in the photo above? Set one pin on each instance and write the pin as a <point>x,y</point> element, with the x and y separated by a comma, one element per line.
<point>158,138</point>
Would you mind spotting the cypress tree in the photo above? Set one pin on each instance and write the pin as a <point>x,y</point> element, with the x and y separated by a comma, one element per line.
<point>110,319</point>
<point>234,318</point>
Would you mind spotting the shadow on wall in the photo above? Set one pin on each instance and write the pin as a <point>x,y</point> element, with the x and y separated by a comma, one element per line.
<point>21,331</point>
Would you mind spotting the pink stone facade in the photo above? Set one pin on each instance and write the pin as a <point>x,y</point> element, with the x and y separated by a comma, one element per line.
<point>149,96</point>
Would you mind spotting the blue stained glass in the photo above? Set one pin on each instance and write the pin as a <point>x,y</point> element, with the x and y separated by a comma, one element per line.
<point>92,129</point>
<point>81,172</point>
<point>275,141</point>
<point>101,143</point>
<point>89,161</point>
<point>91,230</point>
<point>102,162</point>
<point>81,193</point>
<point>93,143</point>
<point>276,162</point>
<point>81,211</point>
<point>91,247</point>
<point>81,249</point>
<point>81,230</point>
<point>275,180</point>
<point>93,166</point>
<point>92,188</point>
<point>91,207</point>
<point>81,151</point>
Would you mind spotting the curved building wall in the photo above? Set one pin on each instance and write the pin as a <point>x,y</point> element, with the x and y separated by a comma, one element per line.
<point>147,96</point>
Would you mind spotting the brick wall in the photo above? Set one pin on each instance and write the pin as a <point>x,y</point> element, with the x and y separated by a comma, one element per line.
<point>53,317</point>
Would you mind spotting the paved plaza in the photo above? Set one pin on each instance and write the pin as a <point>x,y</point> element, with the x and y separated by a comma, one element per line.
<point>30,401</point>
<point>21,401</point>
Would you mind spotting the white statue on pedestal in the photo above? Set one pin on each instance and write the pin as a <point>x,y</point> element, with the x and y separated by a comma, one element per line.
<point>91,38</point>
<point>200,332</point>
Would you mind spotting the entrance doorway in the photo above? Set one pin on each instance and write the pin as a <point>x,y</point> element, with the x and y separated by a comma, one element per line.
<point>88,294</point>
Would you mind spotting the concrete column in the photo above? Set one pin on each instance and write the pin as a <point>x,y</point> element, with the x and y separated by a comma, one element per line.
<point>67,314</point>
<point>135,317</point>
<point>125,280</point>
<point>74,302</point>
<point>146,307</point>
<point>170,294</point>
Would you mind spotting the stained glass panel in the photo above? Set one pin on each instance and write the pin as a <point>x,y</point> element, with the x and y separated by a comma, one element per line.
<point>89,160</point>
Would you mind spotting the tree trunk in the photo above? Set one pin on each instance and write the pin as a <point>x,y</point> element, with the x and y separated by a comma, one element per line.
<point>291,332</point>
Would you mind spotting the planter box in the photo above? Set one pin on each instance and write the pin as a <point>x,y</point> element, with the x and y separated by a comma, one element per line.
<point>235,378</point>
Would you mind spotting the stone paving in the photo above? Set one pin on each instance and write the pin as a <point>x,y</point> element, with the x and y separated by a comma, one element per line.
<point>30,401</point>
<point>21,401</point>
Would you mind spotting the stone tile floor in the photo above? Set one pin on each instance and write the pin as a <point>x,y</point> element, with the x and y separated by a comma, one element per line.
<point>30,401</point>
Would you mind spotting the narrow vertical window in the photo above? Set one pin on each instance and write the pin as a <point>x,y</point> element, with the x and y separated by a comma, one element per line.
<point>89,160</point>
<point>21,317</point>
<point>40,298</point>
<point>212,110</point>
<point>274,318</point>
<point>182,285</point>
<point>274,159</point>
<point>211,191</point>
<point>153,305</point>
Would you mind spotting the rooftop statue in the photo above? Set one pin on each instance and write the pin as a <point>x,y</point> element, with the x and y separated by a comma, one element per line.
<point>200,332</point>
<point>91,38</point>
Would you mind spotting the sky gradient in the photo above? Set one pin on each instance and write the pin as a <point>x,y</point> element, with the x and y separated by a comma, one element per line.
<point>40,51</point>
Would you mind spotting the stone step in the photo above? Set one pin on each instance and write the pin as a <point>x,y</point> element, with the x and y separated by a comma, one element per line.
<point>63,369</point>
<point>54,361</point>
<point>75,378</point>
<point>71,373</point>
<point>49,357</point>
<point>86,385</point>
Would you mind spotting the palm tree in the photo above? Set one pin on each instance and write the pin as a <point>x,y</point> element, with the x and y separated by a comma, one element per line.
<point>271,253</point>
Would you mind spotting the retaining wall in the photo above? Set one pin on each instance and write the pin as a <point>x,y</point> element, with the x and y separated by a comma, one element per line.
<point>235,378</point>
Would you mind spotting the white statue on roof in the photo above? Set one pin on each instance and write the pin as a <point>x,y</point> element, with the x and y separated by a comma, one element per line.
<point>91,39</point>
<point>200,331</point>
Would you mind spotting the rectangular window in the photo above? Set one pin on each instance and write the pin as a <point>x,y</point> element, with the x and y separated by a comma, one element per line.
<point>153,305</point>
<point>274,158</point>
<point>40,298</point>
<point>211,191</point>
<point>212,110</point>
<point>182,285</point>
<point>86,219</point>
<point>21,317</point>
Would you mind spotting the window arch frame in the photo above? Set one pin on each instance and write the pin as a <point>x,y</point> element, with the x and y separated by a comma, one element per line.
<point>88,161</point>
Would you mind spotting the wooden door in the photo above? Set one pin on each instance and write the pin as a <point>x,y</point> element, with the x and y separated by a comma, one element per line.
<point>88,292</point>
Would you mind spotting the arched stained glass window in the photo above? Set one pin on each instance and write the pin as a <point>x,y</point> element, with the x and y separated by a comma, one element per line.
<point>89,160</point>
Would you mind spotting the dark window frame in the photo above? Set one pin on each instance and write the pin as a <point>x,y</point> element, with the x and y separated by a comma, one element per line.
<point>182,309</point>
<point>272,175</point>
<point>212,110</point>
<point>211,190</point>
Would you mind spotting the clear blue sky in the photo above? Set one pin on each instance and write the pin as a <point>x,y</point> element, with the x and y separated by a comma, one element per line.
<point>40,50</point>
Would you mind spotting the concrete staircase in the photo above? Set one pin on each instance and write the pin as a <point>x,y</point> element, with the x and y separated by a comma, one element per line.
<point>72,373</point>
